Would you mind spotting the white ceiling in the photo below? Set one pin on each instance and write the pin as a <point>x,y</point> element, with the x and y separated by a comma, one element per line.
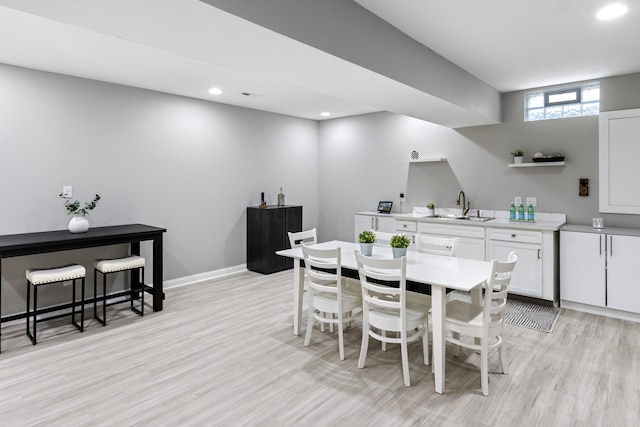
<point>515,45</point>
<point>184,47</point>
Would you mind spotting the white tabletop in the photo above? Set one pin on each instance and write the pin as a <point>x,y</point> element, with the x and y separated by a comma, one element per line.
<point>456,273</point>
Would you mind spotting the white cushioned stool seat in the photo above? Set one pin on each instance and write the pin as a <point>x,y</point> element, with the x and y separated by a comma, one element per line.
<point>108,266</point>
<point>119,264</point>
<point>37,277</point>
<point>50,275</point>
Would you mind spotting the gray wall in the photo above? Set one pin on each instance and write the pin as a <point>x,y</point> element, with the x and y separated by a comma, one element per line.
<point>187,165</point>
<point>365,159</point>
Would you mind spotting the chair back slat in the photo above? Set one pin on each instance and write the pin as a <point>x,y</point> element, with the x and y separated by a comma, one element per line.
<point>323,268</point>
<point>496,289</point>
<point>298,238</point>
<point>447,246</point>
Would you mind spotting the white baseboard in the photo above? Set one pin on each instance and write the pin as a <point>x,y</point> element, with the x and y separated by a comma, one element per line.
<point>601,311</point>
<point>203,277</point>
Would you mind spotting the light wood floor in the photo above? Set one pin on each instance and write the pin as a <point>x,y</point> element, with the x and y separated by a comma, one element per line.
<point>223,353</point>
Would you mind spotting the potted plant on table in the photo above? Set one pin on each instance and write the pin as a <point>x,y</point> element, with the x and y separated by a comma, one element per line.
<point>399,244</point>
<point>431,208</point>
<point>518,155</point>
<point>78,223</point>
<point>366,239</point>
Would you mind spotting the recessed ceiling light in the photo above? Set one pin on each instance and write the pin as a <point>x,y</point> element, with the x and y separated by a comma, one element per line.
<point>612,11</point>
<point>215,91</point>
<point>325,114</point>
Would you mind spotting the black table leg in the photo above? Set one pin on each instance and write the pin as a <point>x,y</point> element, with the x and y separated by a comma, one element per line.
<point>158,292</point>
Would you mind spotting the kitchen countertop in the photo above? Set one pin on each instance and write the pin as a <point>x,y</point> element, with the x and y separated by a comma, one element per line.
<point>549,222</point>
<point>607,230</point>
<point>494,223</point>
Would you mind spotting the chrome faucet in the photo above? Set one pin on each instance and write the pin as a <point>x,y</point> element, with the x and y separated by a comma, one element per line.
<point>465,204</point>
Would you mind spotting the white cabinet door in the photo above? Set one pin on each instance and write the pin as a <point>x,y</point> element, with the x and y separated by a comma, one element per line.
<point>386,224</point>
<point>374,222</point>
<point>470,248</point>
<point>526,278</point>
<point>623,282</point>
<point>363,222</point>
<point>618,154</point>
<point>582,268</point>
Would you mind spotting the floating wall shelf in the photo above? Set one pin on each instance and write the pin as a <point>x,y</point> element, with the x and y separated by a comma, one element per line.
<point>431,159</point>
<point>534,165</point>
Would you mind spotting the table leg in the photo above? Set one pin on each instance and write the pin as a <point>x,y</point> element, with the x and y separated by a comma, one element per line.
<point>158,287</point>
<point>438,313</point>
<point>298,285</point>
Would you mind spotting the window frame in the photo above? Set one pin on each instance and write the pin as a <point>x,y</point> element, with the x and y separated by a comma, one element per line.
<point>545,106</point>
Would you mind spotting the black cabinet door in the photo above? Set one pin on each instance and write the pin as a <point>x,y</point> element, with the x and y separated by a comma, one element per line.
<point>267,230</point>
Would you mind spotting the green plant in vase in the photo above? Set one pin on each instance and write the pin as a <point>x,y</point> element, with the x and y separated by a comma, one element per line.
<point>399,244</point>
<point>366,239</point>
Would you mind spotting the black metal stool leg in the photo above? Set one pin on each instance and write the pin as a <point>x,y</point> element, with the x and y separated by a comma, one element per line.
<point>95,294</point>
<point>134,293</point>
<point>35,312</point>
<point>29,313</point>
<point>102,320</point>
<point>80,326</point>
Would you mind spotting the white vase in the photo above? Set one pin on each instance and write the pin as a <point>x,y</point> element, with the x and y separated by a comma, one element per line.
<point>431,212</point>
<point>518,159</point>
<point>366,249</point>
<point>78,224</point>
<point>399,252</point>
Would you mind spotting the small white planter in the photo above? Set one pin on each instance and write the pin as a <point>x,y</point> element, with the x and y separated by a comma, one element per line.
<point>78,224</point>
<point>399,252</point>
<point>366,249</point>
<point>518,159</point>
<point>431,212</point>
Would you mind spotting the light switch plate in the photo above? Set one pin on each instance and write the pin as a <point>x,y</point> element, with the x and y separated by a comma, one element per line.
<point>518,201</point>
<point>533,201</point>
<point>67,191</point>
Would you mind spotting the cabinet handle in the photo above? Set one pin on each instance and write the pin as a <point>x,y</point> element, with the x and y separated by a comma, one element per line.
<point>600,245</point>
<point>538,253</point>
<point>610,245</point>
<point>373,227</point>
<point>513,236</point>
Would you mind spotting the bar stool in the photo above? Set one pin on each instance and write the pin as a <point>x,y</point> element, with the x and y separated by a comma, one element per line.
<point>107,266</point>
<point>39,277</point>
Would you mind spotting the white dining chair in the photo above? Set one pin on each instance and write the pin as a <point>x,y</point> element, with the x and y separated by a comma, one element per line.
<point>298,238</point>
<point>327,295</point>
<point>483,323</point>
<point>385,309</point>
<point>447,246</point>
<point>383,239</point>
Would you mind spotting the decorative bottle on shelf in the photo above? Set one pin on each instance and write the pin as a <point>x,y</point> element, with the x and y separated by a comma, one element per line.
<point>280,198</point>
<point>512,211</point>
<point>530,213</point>
<point>521,212</point>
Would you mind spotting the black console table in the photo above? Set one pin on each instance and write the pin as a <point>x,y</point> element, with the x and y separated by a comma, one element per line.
<point>13,245</point>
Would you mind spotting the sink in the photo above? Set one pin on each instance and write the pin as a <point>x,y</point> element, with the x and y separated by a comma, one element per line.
<point>480,218</point>
<point>461,217</point>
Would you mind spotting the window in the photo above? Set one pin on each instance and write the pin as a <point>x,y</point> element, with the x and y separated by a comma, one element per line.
<point>560,103</point>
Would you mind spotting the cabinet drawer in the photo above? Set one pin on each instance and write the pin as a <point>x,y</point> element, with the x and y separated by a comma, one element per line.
<point>406,226</point>
<point>513,235</point>
<point>451,230</point>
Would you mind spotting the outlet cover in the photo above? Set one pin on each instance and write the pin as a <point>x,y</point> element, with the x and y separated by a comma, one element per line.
<point>67,191</point>
<point>518,200</point>
<point>533,201</point>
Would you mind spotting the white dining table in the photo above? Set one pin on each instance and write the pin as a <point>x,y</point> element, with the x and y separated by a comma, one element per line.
<point>439,271</point>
